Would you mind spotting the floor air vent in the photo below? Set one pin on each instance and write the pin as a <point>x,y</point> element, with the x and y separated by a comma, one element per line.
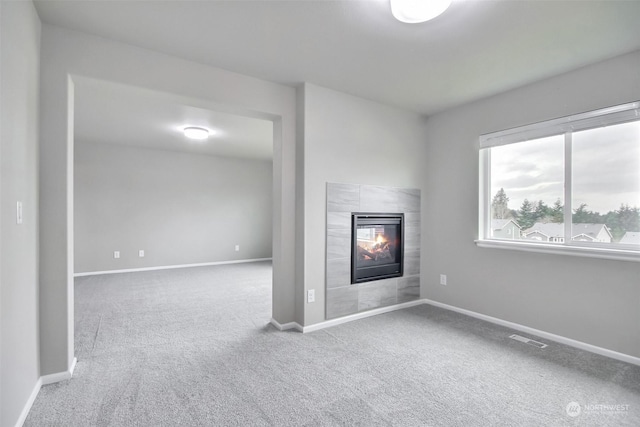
<point>528,341</point>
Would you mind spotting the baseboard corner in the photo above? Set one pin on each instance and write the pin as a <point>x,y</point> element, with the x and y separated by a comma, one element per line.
<point>59,376</point>
<point>286,326</point>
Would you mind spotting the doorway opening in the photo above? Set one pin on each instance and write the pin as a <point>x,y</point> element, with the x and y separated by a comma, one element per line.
<point>146,198</point>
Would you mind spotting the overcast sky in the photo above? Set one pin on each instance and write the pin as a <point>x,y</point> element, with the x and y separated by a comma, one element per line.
<point>606,169</point>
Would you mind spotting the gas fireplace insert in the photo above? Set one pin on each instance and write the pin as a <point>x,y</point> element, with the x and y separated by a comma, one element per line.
<point>377,243</point>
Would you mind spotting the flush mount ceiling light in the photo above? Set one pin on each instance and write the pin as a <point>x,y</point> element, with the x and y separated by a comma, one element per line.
<point>192,132</point>
<point>414,11</point>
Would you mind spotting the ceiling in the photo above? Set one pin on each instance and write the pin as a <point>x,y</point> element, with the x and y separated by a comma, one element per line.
<point>111,113</point>
<point>475,49</point>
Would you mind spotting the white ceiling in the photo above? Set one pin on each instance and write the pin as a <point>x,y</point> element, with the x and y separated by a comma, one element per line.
<point>476,49</point>
<point>110,113</point>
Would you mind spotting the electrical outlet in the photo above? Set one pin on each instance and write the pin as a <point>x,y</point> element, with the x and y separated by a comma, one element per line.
<point>311,295</point>
<point>141,253</point>
<point>237,248</point>
<point>116,254</point>
<point>443,279</point>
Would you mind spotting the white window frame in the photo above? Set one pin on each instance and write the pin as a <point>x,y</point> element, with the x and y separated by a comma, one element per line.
<point>565,125</point>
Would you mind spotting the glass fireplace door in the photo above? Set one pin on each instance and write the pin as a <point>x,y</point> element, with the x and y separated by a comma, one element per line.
<point>377,246</point>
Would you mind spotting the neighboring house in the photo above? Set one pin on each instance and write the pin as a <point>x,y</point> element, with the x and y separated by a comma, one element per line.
<point>591,233</point>
<point>505,229</point>
<point>545,232</point>
<point>631,238</point>
<point>554,233</point>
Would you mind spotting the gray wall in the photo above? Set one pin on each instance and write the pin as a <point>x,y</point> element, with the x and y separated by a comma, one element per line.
<point>351,140</point>
<point>19,75</point>
<point>66,54</point>
<point>591,300</point>
<point>180,208</point>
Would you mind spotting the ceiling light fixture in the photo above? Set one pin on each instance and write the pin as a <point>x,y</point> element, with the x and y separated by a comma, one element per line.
<point>415,11</point>
<point>196,133</point>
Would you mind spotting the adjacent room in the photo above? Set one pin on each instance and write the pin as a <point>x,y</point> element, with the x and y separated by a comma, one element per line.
<point>320,213</point>
<point>146,195</point>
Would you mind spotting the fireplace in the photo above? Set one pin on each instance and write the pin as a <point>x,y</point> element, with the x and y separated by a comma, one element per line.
<point>377,243</point>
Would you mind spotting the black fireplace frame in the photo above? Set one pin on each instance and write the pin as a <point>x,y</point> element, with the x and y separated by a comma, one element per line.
<point>378,272</point>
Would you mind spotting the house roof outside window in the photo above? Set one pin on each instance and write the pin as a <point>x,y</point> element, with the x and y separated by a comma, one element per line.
<point>581,231</point>
<point>631,237</point>
<point>499,224</point>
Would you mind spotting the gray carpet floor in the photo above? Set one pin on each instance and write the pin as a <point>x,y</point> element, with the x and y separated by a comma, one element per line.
<point>193,347</point>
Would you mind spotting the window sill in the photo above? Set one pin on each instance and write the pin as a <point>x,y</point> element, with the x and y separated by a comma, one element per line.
<point>559,249</point>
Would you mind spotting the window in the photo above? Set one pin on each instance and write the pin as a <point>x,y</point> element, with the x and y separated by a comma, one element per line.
<point>571,184</point>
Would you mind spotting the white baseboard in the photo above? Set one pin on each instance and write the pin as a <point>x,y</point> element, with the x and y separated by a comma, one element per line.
<point>44,380</point>
<point>29,404</point>
<point>59,376</point>
<point>362,315</point>
<point>168,267</point>
<point>286,326</point>
<point>553,337</point>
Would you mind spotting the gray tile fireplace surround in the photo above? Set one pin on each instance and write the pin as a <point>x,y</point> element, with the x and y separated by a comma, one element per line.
<point>343,298</point>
